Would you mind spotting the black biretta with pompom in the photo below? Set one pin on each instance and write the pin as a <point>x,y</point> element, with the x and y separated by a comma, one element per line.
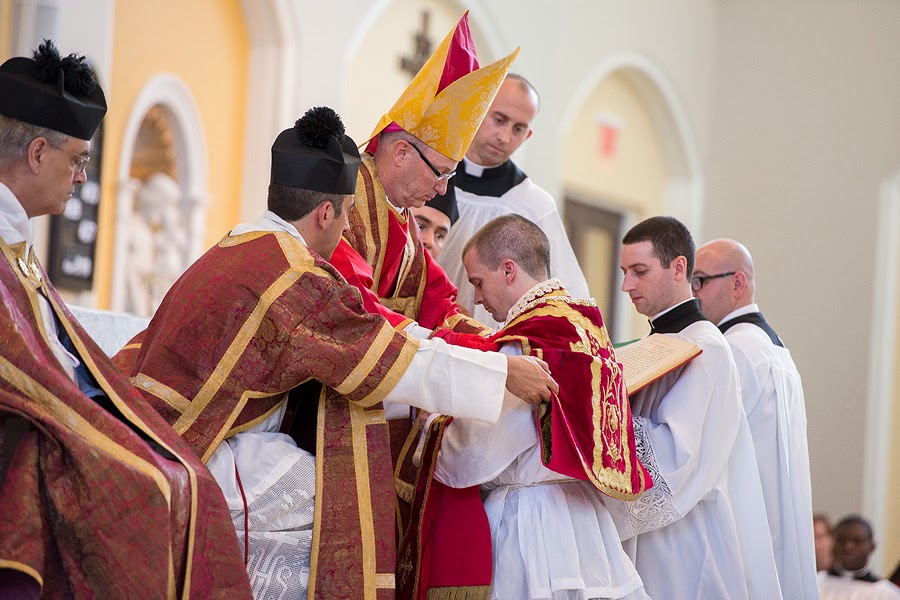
<point>53,92</point>
<point>315,154</point>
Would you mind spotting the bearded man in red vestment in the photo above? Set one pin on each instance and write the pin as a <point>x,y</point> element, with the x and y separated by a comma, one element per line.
<point>99,498</point>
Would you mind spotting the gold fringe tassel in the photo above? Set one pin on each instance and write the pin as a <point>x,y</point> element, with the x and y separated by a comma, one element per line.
<point>472,592</point>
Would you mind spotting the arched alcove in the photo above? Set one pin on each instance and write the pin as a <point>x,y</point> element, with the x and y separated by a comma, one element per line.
<point>624,111</point>
<point>162,135</point>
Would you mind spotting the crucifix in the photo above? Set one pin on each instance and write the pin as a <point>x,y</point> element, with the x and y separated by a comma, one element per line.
<point>423,48</point>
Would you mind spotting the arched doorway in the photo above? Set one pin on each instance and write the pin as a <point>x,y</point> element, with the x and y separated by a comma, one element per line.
<point>161,195</point>
<point>629,155</point>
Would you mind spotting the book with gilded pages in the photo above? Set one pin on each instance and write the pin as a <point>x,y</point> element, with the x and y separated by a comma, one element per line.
<point>648,359</point>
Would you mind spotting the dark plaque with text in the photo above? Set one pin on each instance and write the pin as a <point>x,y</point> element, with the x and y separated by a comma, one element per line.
<point>73,234</point>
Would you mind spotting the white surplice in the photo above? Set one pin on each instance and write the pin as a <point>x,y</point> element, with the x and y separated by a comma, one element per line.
<point>839,588</point>
<point>700,533</point>
<point>526,199</point>
<point>551,535</point>
<point>278,478</point>
<point>772,394</point>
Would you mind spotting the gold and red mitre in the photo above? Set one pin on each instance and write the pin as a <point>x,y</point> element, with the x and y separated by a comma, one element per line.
<point>448,98</point>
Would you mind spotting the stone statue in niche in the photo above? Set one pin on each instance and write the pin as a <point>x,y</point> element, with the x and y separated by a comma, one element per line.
<point>157,244</point>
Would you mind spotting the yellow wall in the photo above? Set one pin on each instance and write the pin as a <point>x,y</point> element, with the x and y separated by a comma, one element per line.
<point>5,24</point>
<point>633,179</point>
<point>205,44</point>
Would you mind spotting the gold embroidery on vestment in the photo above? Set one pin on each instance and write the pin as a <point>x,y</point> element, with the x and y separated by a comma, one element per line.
<point>320,483</point>
<point>242,339</point>
<point>80,426</point>
<point>160,390</point>
<point>364,499</point>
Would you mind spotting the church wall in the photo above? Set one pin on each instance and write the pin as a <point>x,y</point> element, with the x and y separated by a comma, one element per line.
<point>5,28</point>
<point>629,181</point>
<point>805,129</point>
<point>204,44</point>
<point>376,78</point>
<point>891,535</point>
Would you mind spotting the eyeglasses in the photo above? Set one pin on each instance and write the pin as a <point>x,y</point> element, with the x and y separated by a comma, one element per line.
<point>698,282</point>
<point>79,161</point>
<point>440,176</point>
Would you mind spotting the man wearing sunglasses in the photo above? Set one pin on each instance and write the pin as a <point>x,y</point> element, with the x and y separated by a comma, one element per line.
<point>701,530</point>
<point>412,154</point>
<point>772,393</point>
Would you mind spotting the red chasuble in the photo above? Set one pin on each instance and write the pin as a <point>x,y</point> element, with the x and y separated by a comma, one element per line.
<point>87,508</point>
<point>383,256</point>
<point>586,432</point>
<point>256,316</point>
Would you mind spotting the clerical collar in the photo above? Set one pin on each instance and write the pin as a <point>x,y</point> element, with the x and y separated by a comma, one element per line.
<point>488,181</point>
<point>15,226</point>
<point>268,221</point>
<point>538,291</point>
<point>546,291</point>
<point>863,574</point>
<point>675,319</point>
<point>749,314</point>
<point>739,312</point>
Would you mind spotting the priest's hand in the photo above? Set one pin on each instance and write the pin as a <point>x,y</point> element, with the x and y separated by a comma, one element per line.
<point>528,377</point>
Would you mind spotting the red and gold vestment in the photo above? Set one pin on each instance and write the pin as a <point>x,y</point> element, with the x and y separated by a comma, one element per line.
<point>87,508</point>
<point>585,432</point>
<point>383,256</point>
<point>255,317</point>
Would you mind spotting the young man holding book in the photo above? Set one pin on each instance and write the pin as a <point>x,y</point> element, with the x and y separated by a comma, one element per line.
<point>772,393</point>
<point>541,470</point>
<point>700,531</point>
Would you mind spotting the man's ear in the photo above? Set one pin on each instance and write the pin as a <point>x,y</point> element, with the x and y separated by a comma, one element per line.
<point>680,268</point>
<point>399,150</point>
<point>36,153</point>
<point>740,284</point>
<point>530,131</point>
<point>324,214</point>
<point>510,270</point>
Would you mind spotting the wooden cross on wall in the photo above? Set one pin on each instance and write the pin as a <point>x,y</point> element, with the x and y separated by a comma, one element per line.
<point>422,48</point>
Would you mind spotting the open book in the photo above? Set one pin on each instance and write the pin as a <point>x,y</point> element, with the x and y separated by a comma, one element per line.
<point>648,359</point>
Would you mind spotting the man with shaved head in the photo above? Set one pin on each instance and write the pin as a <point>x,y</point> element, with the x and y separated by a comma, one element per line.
<point>772,394</point>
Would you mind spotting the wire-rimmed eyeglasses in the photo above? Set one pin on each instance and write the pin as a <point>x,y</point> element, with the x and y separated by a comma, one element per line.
<point>440,176</point>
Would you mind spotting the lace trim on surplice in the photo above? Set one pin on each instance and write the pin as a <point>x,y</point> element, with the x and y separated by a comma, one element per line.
<point>654,509</point>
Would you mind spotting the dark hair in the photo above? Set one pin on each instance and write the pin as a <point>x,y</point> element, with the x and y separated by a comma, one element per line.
<point>292,204</point>
<point>855,520</point>
<point>515,237</point>
<point>670,239</point>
